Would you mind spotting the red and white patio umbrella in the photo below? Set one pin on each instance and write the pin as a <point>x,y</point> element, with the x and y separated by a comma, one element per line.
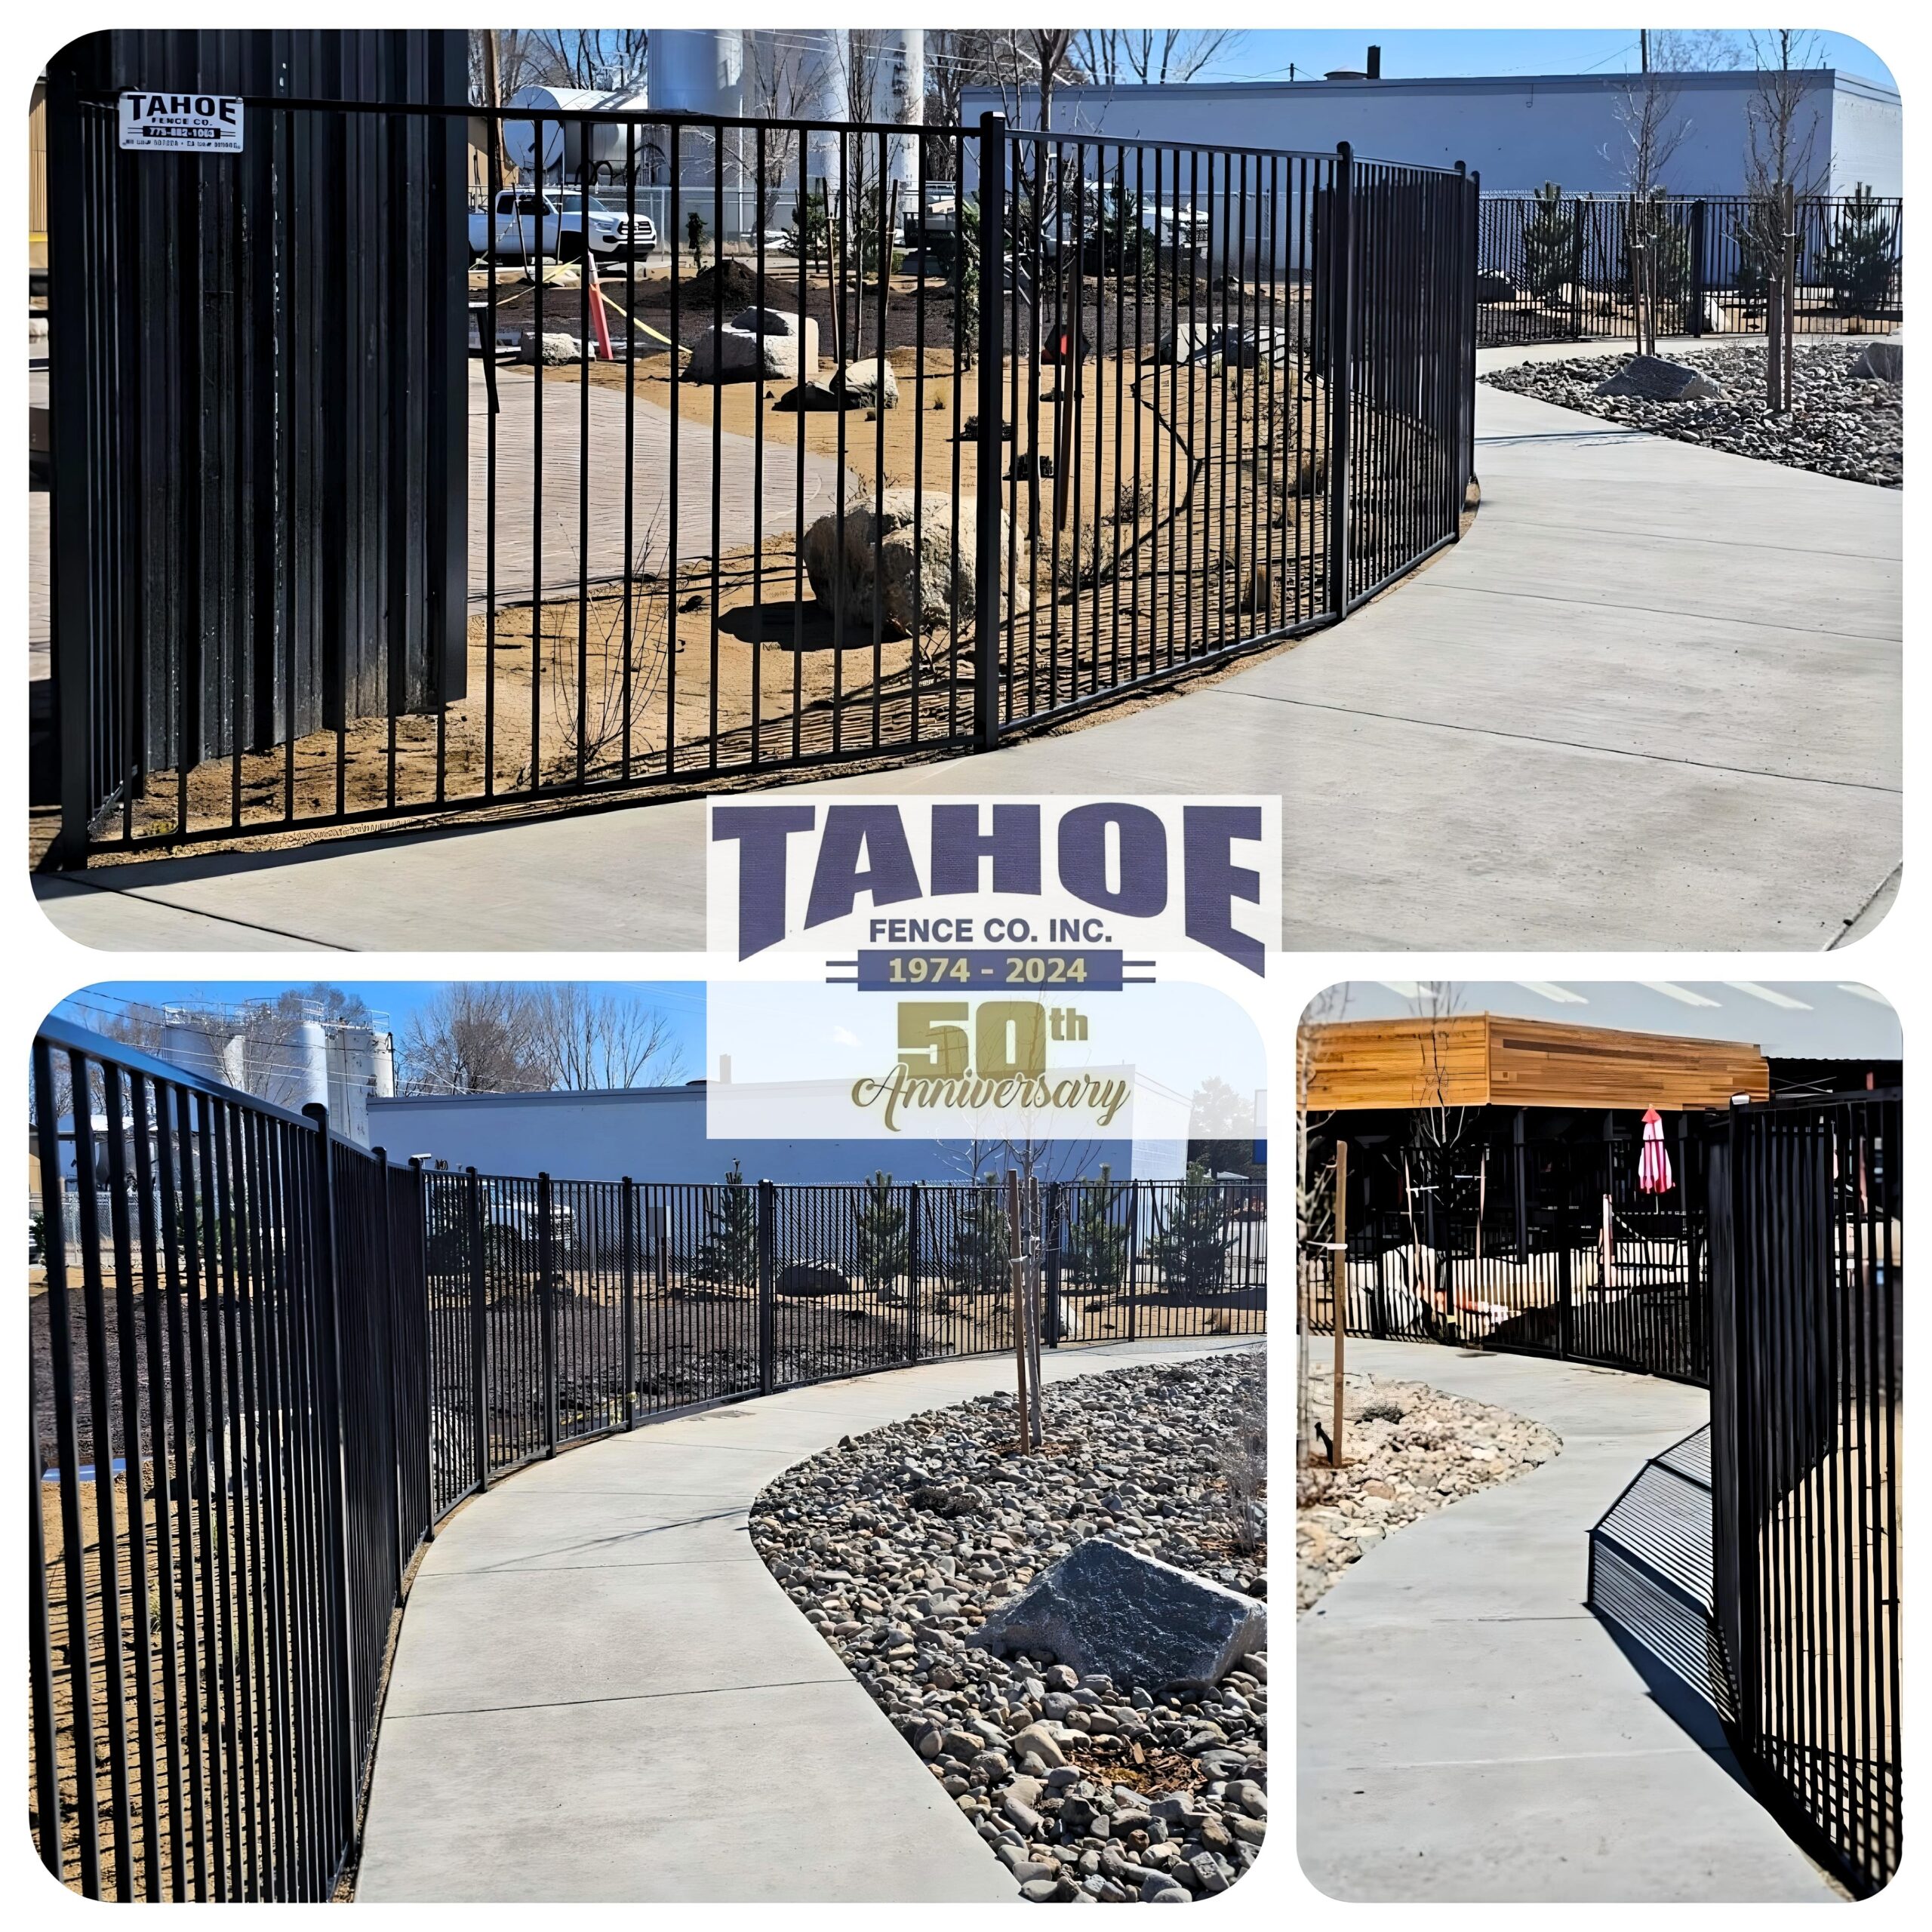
<point>1653,1158</point>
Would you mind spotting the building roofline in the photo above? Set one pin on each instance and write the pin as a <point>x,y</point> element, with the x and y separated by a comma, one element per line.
<point>1736,79</point>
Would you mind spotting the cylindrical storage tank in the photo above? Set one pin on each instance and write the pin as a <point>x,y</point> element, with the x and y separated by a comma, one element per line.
<point>199,1044</point>
<point>701,71</point>
<point>352,1079</point>
<point>385,1051</point>
<point>309,1064</point>
<point>570,144</point>
<point>898,98</point>
<point>819,85</point>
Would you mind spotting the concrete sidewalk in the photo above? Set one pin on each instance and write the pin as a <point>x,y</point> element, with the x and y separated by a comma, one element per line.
<point>602,1694</point>
<point>1652,700</point>
<point>1468,1731</point>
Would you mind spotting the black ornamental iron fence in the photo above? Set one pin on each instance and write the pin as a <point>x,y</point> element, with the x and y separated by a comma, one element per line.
<point>265,1364</point>
<point>1808,1263</point>
<point>1552,267</point>
<point>777,443</point>
<point>1759,1559</point>
<point>1538,1246</point>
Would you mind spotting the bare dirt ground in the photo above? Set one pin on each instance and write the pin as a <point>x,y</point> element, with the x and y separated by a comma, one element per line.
<point>1182,514</point>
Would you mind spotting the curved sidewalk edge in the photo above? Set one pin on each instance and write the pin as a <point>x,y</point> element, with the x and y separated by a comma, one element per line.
<point>600,1693</point>
<point>1468,1730</point>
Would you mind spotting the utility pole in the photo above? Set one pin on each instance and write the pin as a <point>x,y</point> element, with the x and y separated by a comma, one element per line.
<point>1644,47</point>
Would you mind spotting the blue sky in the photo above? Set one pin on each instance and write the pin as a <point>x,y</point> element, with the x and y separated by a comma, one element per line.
<point>1189,1031</point>
<point>681,1002</point>
<point>1266,54</point>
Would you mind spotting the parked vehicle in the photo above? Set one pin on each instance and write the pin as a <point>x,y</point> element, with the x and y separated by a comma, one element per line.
<point>525,224</point>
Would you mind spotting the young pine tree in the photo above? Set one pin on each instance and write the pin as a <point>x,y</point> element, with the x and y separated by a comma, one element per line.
<point>1549,244</point>
<point>727,1257</point>
<point>1859,261</point>
<point>879,1233</point>
<point>976,1256</point>
<point>1190,1246</point>
<point>1096,1236</point>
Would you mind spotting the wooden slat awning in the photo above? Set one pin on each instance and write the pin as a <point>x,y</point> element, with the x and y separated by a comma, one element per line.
<point>1487,1059</point>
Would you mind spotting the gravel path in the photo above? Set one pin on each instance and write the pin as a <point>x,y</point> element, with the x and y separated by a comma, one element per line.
<point>1410,1450</point>
<point>1841,425</point>
<point>896,1545</point>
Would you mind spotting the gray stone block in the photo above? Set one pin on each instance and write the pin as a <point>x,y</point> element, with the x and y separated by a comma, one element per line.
<point>1104,1607</point>
<point>1657,380</point>
<point>1882,361</point>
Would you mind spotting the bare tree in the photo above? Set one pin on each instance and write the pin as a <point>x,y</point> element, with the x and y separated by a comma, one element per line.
<point>1314,1196</point>
<point>472,1037</point>
<point>1150,57</point>
<point>1782,121</point>
<point>1781,165</point>
<point>1651,129</point>
<point>778,87</point>
<point>585,1041</point>
<point>1697,50</point>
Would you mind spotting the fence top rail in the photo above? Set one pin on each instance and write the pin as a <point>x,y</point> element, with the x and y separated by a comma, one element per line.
<point>1865,1096</point>
<point>1072,137</point>
<point>1619,197</point>
<point>83,1040</point>
<point>464,111</point>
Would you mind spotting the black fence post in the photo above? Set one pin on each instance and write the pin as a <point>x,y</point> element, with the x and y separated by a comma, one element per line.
<point>329,1413</point>
<point>546,1309</point>
<point>1340,253</point>
<point>915,1217</point>
<point>1056,1215</point>
<point>767,1350</point>
<point>628,1242</point>
<point>1565,1304</point>
<point>1470,324</point>
<point>1697,293</point>
<point>1733,1561</point>
<point>390,1366</point>
<point>986,626</point>
<point>71,487</point>
<point>479,1327</point>
<point>419,1189</point>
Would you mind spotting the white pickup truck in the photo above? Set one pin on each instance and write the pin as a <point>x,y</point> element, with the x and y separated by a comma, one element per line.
<point>525,224</point>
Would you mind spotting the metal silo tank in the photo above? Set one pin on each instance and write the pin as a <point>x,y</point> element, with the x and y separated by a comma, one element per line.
<point>898,98</point>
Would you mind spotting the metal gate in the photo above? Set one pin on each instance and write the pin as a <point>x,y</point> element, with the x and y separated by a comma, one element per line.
<point>1807,1255</point>
<point>867,444</point>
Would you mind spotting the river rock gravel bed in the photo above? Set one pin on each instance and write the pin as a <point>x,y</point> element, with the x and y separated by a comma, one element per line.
<point>1840,424</point>
<point>897,1544</point>
<point>1409,1450</point>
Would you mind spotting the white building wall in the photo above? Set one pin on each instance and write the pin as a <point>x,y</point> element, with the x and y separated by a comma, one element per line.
<point>658,1134</point>
<point>1519,132</point>
<point>1865,142</point>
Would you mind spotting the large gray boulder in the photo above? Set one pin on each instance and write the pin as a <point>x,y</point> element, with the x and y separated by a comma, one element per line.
<point>757,345</point>
<point>807,1280</point>
<point>1882,361</point>
<point>1106,1610</point>
<point>1655,380</point>
<point>554,346</point>
<point>868,385</point>
<point>1201,340</point>
<point>923,578</point>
